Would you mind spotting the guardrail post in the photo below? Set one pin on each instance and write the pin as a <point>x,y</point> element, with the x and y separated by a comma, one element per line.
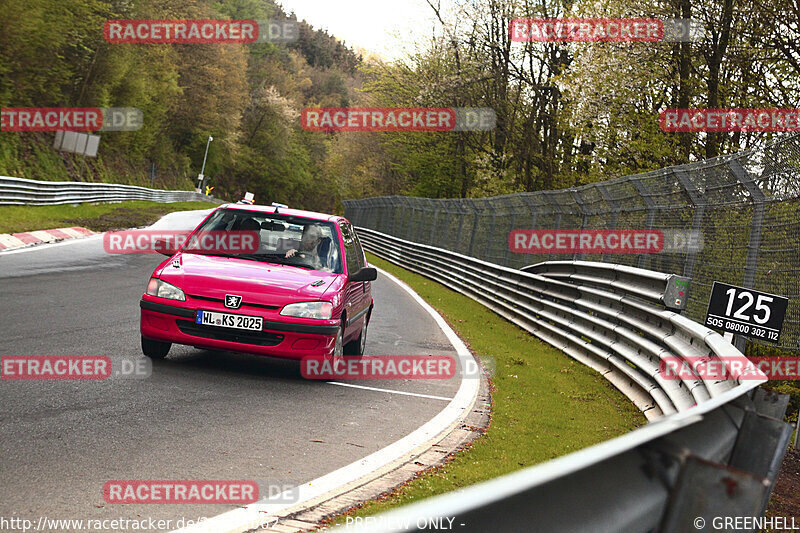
<point>699,204</point>
<point>751,263</point>
<point>770,403</point>
<point>651,213</point>
<point>760,448</point>
<point>705,491</point>
<point>613,206</point>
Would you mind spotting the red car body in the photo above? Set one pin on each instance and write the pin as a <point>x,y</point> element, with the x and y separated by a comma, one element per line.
<point>264,288</point>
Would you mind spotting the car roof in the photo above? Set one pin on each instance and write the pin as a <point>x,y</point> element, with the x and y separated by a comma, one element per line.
<point>268,209</point>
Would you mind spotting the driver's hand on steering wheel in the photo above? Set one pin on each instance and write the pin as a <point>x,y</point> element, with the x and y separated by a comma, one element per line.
<point>291,253</point>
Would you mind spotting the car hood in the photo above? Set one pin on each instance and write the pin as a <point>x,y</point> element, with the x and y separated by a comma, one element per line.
<point>256,282</point>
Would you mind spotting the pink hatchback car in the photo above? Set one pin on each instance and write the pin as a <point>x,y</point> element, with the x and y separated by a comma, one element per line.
<point>306,291</point>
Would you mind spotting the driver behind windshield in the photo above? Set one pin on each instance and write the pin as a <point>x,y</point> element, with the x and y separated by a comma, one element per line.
<point>312,236</point>
<point>251,224</point>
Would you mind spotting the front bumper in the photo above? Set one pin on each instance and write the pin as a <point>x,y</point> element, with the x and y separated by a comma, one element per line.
<point>279,338</point>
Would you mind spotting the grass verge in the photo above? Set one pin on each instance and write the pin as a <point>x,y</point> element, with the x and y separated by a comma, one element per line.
<point>96,217</point>
<point>544,404</point>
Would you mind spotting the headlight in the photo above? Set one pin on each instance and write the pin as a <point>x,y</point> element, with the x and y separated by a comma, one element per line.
<point>321,310</point>
<point>162,289</point>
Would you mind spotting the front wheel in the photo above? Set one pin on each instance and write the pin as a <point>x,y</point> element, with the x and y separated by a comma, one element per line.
<point>155,349</point>
<point>356,347</point>
<point>338,349</point>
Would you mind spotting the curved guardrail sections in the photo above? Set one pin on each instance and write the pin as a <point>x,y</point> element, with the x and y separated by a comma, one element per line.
<point>614,328</point>
<point>703,434</point>
<point>668,290</point>
<point>20,191</point>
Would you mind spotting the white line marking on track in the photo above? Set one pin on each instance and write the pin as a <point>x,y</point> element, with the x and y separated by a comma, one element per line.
<point>404,393</point>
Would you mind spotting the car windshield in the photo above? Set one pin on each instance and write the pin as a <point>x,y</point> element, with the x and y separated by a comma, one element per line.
<point>287,240</point>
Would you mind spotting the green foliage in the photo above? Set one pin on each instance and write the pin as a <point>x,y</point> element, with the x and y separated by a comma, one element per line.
<point>567,113</point>
<point>572,113</point>
<point>247,97</point>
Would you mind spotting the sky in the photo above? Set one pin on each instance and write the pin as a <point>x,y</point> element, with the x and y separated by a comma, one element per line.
<point>385,27</point>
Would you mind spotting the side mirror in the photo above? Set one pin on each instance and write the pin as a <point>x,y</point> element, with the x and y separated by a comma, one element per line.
<point>160,246</point>
<point>365,274</point>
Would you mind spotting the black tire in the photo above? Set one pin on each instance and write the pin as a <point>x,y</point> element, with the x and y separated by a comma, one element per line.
<point>355,348</point>
<point>155,349</point>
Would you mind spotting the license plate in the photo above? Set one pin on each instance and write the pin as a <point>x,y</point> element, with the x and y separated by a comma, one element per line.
<point>227,320</point>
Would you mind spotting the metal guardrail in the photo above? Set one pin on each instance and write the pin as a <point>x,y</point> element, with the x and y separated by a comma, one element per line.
<point>20,191</point>
<point>712,448</point>
<point>669,290</point>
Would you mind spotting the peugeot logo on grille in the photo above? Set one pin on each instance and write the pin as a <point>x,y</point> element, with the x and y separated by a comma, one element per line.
<point>232,301</point>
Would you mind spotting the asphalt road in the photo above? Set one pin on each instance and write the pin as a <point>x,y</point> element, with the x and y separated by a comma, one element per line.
<point>200,415</point>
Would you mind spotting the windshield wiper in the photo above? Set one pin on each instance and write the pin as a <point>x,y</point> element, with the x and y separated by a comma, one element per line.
<point>285,262</point>
<point>250,257</point>
<point>263,258</point>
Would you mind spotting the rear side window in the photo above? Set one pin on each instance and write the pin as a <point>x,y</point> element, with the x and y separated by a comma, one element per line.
<point>351,253</point>
<point>361,257</point>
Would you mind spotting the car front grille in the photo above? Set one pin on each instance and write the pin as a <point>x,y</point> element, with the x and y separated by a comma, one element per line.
<point>222,301</point>
<point>261,338</point>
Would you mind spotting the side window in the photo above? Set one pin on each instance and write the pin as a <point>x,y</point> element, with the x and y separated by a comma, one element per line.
<point>362,260</point>
<point>350,252</point>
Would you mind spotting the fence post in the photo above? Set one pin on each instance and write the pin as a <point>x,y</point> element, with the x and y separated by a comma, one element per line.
<point>461,213</point>
<point>557,211</point>
<point>357,213</point>
<point>369,213</point>
<point>380,214</point>
<point>490,235</point>
<point>474,226</point>
<point>393,203</point>
<point>584,220</point>
<point>699,204</point>
<point>510,208</point>
<point>423,211</point>
<point>388,210</point>
<point>614,210</point>
<point>409,216</point>
<point>437,203</point>
<point>534,211</point>
<point>651,213</point>
<point>346,204</point>
<point>371,216</point>
<point>751,263</point>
